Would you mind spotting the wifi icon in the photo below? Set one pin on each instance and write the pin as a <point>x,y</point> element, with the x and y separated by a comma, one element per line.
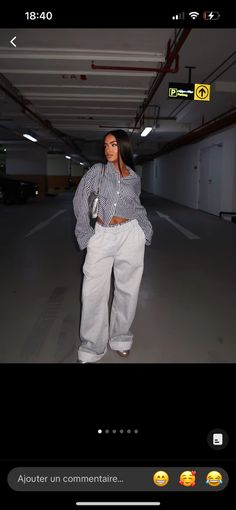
<point>193,14</point>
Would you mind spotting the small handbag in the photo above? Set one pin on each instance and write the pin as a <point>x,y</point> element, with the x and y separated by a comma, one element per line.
<point>93,205</point>
<point>93,199</point>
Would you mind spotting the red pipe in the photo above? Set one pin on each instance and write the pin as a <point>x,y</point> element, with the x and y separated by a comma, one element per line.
<point>158,80</point>
<point>144,69</point>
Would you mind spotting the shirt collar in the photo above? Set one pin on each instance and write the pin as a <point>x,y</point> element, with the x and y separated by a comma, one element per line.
<point>111,168</point>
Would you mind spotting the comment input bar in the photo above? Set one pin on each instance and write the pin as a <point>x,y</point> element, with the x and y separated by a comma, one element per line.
<point>118,503</point>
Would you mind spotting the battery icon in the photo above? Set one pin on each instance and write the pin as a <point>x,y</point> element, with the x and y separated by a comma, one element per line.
<point>211,15</point>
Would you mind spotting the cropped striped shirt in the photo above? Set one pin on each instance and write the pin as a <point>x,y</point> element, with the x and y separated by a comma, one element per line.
<point>118,196</point>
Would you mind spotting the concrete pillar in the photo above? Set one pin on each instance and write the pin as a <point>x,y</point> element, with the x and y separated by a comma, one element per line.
<point>61,172</point>
<point>58,171</point>
<point>28,162</point>
<point>77,171</point>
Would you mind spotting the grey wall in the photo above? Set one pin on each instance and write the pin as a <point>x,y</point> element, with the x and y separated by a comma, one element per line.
<point>175,175</point>
<point>28,159</point>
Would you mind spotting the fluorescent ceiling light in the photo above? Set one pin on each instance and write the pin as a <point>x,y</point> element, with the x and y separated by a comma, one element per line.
<point>67,157</point>
<point>30,137</point>
<point>82,164</point>
<point>146,131</point>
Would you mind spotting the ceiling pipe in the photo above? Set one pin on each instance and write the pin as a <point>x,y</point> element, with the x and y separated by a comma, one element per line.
<point>221,121</point>
<point>144,69</point>
<point>7,87</point>
<point>170,57</point>
<point>117,127</point>
<point>182,105</point>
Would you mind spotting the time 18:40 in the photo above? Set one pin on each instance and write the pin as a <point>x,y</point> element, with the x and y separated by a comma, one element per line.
<point>38,15</point>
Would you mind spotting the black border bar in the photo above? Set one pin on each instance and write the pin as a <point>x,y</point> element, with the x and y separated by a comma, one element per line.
<point>102,15</point>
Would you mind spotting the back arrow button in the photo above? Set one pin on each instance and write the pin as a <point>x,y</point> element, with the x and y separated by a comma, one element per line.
<point>12,41</point>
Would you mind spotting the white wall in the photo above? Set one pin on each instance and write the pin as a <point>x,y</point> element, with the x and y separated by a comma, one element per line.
<point>149,177</point>
<point>57,164</point>
<point>175,175</point>
<point>29,159</point>
<point>234,171</point>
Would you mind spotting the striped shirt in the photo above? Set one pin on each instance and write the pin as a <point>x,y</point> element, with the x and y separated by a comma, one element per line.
<point>118,196</point>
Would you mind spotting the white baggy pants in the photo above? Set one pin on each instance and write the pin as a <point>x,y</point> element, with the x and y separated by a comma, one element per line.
<point>123,246</point>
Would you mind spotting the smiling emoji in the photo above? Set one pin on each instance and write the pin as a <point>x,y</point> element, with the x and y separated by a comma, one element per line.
<point>187,478</point>
<point>160,478</point>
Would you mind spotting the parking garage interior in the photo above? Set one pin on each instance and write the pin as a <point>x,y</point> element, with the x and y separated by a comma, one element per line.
<point>66,88</point>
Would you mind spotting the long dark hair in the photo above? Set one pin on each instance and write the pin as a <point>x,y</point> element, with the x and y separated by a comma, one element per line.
<point>124,145</point>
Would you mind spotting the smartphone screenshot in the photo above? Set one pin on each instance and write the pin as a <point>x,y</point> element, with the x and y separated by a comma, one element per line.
<point>118,244</point>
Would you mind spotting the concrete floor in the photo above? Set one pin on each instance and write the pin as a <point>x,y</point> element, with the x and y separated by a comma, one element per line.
<point>187,304</point>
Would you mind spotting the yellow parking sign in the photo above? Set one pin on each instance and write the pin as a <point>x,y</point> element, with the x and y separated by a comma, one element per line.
<point>202,92</point>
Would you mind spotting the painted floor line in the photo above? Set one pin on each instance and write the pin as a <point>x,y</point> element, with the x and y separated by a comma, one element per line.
<point>184,231</point>
<point>45,223</point>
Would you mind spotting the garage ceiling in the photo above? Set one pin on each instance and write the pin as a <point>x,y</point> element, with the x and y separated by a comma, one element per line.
<point>68,87</point>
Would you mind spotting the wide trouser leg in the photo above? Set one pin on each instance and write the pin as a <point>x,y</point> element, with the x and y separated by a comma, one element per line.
<point>128,270</point>
<point>94,327</point>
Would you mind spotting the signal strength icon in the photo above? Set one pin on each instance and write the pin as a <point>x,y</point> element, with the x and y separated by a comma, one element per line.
<point>193,14</point>
<point>178,16</point>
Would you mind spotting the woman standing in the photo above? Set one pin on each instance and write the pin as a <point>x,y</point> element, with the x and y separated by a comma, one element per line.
<point>118,241</point>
